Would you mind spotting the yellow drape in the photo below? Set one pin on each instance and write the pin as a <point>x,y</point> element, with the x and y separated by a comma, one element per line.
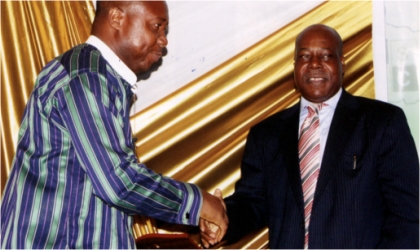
<point>196,134</point>
<point>33,33</point>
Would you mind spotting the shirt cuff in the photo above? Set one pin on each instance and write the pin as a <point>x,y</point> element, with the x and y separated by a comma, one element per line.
<point>191,204</point>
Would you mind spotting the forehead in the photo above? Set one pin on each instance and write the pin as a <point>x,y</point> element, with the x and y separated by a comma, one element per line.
<point>317,38</point>
<point>153,9</point>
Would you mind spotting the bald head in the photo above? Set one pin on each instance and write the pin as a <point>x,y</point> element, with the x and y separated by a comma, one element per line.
<point>134,30</point>
<point>103,9</point>
<point>322,30</point>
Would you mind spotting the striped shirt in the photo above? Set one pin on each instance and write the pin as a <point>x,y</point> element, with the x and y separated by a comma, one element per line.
<point>75,180</point>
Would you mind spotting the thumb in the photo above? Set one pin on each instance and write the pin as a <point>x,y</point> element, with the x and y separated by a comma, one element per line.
<point>218,193</point>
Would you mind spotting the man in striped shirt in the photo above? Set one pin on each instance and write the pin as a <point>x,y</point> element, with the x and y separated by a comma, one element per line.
<point>75,180</point>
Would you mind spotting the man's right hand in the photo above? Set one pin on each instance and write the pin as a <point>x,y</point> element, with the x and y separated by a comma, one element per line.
<point>213,212</point>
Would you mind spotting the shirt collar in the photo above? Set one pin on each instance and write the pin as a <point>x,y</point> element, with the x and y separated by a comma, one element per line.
<point>114,60</point>
<point>332,102</point>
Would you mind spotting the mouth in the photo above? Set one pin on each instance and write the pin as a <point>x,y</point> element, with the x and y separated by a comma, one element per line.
<point>156,55</point>
<point>315,79</point>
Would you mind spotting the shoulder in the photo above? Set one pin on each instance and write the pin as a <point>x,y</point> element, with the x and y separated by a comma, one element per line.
<point>372,112</point>
<point>372,108</point>
<point>377,109</point>
<point>81,59</point>
<point>59,73</point>
<point>279,120</point>
<point>374,104</point>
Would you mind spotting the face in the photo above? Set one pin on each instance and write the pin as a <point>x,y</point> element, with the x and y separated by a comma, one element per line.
<point>143,34</point>
<point>319,64</point>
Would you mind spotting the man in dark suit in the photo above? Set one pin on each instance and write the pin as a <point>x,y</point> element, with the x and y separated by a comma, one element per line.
<point>366,177</point>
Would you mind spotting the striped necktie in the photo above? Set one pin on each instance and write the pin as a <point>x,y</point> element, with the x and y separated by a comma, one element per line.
<point>309,160</point>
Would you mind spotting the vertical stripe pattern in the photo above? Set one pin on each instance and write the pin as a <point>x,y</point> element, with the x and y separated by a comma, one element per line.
<point>75,179</point>
<point>309,160</point>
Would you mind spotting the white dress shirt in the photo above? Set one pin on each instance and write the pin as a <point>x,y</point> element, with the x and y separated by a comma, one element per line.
<point>325,117</point>
<point>115,62</point>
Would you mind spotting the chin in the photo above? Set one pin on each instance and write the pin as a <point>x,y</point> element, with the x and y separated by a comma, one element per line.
<point>316,98</point>
<point>142,69</point>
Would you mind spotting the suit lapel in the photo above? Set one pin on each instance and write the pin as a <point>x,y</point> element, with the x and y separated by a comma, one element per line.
<point>342,126</point>
<point>289,145</point>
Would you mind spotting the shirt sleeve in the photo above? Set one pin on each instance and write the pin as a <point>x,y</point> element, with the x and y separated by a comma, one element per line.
<point>91,111</point>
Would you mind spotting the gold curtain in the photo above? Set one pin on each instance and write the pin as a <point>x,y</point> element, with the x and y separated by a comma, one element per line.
<point>196,134</point>
<point>32,34</point>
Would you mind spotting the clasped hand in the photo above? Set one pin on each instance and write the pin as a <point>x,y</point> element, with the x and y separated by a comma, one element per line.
<point>213,218</point>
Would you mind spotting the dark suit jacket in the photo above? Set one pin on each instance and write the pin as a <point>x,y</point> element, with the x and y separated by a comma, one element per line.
<point>371,204</point>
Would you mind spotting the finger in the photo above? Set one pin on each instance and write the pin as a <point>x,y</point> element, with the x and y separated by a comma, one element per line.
<point>213,227</point>
<point>206,238</point>
<point>218,194</point>
<point>210,231</point>
<point>222,228</point>
<point>217,231</point>
<point>213,232</point>
<point>205,243</point>
<point>207,229</point>
<point>209,237</point>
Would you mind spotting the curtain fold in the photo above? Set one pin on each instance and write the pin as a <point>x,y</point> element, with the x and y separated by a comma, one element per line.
<point>196,134</point>
<point>33,33</point>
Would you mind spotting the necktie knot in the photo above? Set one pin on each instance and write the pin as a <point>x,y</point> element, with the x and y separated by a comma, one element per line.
<point>315,108</point>
<point>312,110</point>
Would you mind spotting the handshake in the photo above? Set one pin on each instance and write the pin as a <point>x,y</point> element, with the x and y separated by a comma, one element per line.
<point>213,218</point>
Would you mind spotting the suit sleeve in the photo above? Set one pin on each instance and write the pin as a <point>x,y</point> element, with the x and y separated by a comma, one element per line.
<point>246,207</point>
<point>398,171</point>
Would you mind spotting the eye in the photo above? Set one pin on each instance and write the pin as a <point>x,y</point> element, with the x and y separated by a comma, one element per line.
<point>160,27</point>
<point>304,56</point>
<point>326,57</point>
<point>155,26</point>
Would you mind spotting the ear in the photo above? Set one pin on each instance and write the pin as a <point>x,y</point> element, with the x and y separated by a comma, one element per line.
<point>343,64</point>
<point>116,17</point>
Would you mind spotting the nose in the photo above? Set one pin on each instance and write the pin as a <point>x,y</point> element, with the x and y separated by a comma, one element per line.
<point>162,40</point>
<point>314,62</point>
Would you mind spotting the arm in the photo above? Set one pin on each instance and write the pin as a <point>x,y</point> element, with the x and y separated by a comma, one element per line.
<point>101,137</point>
<point>398,170</point>
<point>246,208</point>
